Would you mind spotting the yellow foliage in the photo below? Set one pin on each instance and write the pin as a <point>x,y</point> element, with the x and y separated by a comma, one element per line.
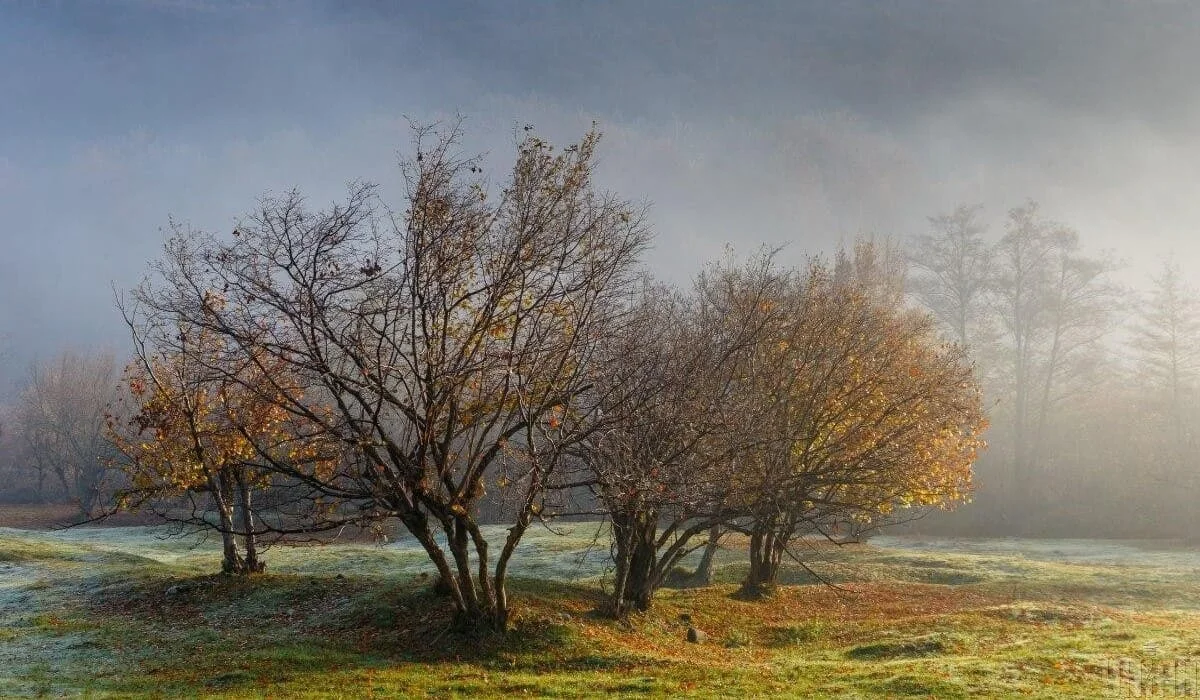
<point>877,412</point>
<point>200,422</point>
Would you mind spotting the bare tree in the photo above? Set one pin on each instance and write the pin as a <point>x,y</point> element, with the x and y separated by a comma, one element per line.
<point>1053,305</point>
<point>61,419</point>
<point>453,340</point>
<point>670,432</point>
<point>952,272</point>
<point>1167,341</point>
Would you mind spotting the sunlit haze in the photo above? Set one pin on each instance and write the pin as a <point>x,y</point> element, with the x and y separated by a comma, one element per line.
<point>790,123</point>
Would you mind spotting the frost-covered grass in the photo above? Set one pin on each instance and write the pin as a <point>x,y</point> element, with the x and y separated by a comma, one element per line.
<point>122,612</point>
<point>568,552</point>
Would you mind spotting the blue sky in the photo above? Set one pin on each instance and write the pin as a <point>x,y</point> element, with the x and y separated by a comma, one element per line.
<point>743,123</point>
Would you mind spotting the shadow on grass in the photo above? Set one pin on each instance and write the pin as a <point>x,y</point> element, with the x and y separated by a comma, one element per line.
<point>897,649</point>
<point>236,634</point>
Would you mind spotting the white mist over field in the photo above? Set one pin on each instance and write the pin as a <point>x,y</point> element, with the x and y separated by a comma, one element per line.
<point>803,124</point>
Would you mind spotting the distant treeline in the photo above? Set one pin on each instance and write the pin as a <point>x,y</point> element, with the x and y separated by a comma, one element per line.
<point>1091,387</point>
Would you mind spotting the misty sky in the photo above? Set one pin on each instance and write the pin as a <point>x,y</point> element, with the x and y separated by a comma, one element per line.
<point>804,123</point>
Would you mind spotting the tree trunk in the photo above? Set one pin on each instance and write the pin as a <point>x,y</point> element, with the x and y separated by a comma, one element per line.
<point>622,555</point>
<point>62,479</point>
<point>487,586</point>
<point>231,560</point>
<point>457,538</point>
<point>500,589</point>
<point>637,562</point>
<point>766,554</point>
<point>41,485</point>
<point>468,615</point>
<point>87,485</point>
<point>704,571</point>
<point>642,570</point>
<point>252,563</point>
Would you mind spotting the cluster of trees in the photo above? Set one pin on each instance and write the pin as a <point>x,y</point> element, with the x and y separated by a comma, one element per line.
<point>1091,386</point>
<point>496,352</point>
<point>493,354</point>
<point>777,403</point>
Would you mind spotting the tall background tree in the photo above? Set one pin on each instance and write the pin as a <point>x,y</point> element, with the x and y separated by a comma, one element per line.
<point>952,272</point>
<point>1166,341</point>
<point>60,420</point>
<point>1043,329</point>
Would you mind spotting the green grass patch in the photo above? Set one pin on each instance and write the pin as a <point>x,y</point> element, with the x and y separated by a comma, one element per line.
<point>791,635</point>
<point>123,613</point>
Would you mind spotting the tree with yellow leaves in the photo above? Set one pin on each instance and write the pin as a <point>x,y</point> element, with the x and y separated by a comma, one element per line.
<point>861,411</point>
<point>201,438</point>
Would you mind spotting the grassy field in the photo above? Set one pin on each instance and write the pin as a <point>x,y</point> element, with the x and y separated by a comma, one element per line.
<point>121,612</point>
